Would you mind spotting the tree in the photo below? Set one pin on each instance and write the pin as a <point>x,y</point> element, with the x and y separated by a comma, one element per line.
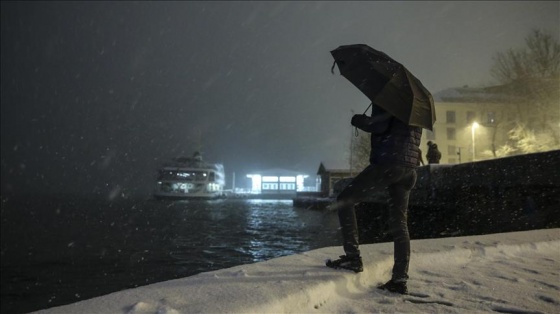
<point>531,75</point>
<point>540,59</point>
<point>523,141</point>
<point>360,148</point>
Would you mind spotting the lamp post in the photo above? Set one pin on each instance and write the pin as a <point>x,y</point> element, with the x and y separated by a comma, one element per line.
<point>351,147</point>
<point>473,127</point>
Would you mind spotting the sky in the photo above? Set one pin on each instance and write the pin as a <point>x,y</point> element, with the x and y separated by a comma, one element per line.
<point>96,95</point>
<point>515,272</point>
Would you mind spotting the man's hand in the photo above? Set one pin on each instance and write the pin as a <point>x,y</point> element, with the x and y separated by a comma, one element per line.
<point>376,124</point>
<point>360,120</point>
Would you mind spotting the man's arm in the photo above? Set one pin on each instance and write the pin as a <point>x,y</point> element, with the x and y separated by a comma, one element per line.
<point>377,124</point>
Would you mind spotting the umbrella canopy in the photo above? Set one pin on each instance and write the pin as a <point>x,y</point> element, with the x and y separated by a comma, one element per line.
<point>387,83</point>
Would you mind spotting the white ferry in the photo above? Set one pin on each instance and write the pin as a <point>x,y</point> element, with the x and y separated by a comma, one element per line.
<point>190,177</point>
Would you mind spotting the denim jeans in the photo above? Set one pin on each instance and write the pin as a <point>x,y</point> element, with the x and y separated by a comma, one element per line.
<point>398,181</point>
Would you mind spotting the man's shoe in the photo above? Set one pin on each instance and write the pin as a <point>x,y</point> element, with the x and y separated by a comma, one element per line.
<point>394,286</point>
<point>344,262</point>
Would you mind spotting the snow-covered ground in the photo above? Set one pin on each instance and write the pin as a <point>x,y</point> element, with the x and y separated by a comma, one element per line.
<point>507,273</point>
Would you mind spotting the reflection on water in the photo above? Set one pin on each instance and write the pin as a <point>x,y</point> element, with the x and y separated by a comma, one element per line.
<point>58,251</point>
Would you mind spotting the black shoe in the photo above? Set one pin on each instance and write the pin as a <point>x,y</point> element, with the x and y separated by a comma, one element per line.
<point>393,286</point>
<point>345,262</point>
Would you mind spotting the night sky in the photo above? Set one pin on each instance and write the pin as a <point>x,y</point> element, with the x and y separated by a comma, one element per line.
<point>96,95</point>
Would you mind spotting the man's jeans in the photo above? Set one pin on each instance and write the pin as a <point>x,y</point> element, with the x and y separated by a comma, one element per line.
<point>376,178</point>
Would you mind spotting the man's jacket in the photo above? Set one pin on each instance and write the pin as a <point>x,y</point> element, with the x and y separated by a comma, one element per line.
<point>392,142</point>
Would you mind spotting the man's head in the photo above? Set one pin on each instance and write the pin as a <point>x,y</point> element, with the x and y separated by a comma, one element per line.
<point>430,143</point>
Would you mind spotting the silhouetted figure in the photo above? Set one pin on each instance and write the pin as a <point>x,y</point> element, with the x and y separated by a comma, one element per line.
<point>420,158</point>
<point>434,155</point>
<point>393,160</point>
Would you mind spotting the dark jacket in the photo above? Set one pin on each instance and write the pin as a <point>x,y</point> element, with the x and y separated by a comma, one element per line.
<point>434,155</point>
<point>392,141</point>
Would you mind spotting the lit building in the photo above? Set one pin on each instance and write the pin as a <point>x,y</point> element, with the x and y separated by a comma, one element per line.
<point>277,182</point>
<point>470,124</point>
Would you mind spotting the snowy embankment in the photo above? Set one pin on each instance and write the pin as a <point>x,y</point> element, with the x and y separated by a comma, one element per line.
<point>508,273</point>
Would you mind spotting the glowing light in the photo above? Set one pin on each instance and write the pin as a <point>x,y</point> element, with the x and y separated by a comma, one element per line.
<point>256,181</point>
<point>474,126</point>
<point>269,179</point>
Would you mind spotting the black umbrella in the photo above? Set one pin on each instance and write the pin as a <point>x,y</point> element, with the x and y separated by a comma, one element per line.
<point>387,83</point>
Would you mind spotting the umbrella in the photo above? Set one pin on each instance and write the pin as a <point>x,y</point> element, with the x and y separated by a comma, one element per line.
<point>387,83</point>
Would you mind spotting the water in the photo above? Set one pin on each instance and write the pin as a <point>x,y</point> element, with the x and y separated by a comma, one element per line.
<point>58,251</point>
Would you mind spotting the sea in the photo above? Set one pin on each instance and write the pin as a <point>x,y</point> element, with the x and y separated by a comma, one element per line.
<point>60,250</point>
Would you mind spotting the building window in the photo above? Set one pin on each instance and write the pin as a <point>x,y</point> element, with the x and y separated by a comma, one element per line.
<point>270,186</point>
<point>450,116</point>
<point>491,117</point>
<point>471,117</point>
<point>287,186</point>
<point>431,135</point>
<point>450,133</point>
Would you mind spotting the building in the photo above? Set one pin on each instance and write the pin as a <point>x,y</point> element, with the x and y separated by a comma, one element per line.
<point>470,123</point>
<point>277,182</point>
<point>329,174</point>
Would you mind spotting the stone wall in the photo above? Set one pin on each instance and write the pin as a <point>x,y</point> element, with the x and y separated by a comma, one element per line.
<point>499,195</point>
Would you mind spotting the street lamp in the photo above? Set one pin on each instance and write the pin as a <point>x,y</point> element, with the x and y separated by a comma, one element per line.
<point>474,126</point>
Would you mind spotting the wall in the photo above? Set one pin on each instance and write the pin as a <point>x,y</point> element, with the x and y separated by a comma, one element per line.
<point>499,195</point>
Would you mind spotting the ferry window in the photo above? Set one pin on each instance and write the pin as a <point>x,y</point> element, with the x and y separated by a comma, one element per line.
<point>167,175</point>
<point>185,176</point>
<point>200,176</point>
<point>211,177</point>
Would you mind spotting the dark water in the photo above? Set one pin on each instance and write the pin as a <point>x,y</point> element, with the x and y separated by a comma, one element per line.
<point>57,251</point>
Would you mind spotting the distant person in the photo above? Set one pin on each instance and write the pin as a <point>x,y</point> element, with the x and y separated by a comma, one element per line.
<point>420,158</point>
<point>434,155</point>
<point>393,160</point>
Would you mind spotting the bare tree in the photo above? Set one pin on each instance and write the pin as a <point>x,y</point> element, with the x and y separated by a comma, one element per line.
<point>360,149</point>
<point>531,74</point>
<point>539,59</point>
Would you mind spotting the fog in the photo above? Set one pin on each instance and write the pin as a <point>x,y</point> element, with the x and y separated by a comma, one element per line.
<point>96,95</point>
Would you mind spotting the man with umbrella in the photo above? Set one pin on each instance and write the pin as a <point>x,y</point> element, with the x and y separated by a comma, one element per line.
<point>401,107</point>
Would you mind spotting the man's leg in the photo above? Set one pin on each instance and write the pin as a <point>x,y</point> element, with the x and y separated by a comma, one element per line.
<point>371,179</point>
<point>398,224</point>
<point>349,228</point>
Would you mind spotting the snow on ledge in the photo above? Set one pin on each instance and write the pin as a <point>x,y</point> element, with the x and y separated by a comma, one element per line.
<point>444,272</point>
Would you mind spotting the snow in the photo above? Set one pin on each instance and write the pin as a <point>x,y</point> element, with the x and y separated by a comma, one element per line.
<point>515,272</point>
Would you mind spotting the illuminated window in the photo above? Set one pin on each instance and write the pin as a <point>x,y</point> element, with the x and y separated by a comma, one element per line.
<point>269,179</point>
<point>270,186</point>
<point>287,179</point>
<point>287,186</point>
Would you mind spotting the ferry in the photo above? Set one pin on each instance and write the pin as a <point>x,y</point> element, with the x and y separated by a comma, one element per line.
<point>190,178</point>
